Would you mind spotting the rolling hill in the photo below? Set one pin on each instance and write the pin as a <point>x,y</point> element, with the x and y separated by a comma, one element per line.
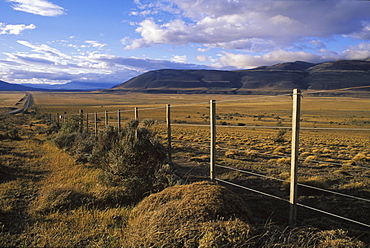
<point>280,77</point>
<point>4,86</point>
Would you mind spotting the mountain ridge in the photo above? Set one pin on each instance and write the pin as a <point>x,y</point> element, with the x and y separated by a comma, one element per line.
<point>279,77</point>
<point>4,86</point>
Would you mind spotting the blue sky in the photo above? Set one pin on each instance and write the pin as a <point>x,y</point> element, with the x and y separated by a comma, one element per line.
<point>58,41</point>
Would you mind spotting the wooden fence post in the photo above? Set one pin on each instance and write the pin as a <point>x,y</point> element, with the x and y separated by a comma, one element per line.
<point>81,122</point>
<point>119,120</point>
<point>87,122</point>
<point>168,120</point>
<point>136,113</point>
<point>96,123</point>
<point>213,139</point>
<point>106,118</point>
<point>294,155</point>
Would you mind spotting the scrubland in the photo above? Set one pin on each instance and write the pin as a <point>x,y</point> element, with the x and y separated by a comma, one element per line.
<point>52,197</point>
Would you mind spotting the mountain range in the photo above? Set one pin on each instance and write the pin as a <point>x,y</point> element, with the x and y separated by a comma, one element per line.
<point>281,77</point>
<point>4,86</point>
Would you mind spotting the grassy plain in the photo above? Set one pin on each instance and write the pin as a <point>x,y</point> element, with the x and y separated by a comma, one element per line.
<point>10,99</point>
<point>334,159</point>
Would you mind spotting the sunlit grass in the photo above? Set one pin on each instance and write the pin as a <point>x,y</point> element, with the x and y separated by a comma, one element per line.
<point>44,200</point>
<point>67,203</point>
<point>10,99</point>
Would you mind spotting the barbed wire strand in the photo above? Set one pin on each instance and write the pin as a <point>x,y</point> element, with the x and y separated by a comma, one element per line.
<point>251,173</point>
<point>300,184</point>
<point>253,190</point>
<point>334,215</point>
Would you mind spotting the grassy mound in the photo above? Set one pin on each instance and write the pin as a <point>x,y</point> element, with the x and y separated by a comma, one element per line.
<point>205,214</point>
<point>197,215</point>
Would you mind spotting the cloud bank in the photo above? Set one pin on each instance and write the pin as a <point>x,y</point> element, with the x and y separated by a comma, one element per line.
<point>254,33</point>
<point>253,25</point>
<point>46,64</point>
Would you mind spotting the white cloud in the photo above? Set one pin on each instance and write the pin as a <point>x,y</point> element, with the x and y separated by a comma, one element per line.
<point>179,59</point>
<point>202,50</point>
<point>201,58</point>
<point>15,29</point>
<point>46,63</point>
<point>44,49</point>
<point>38,7</point>
<point>280,19</point>
<point>365,32</point>
<point>253,25</point>
<point>96,44</point>
<point>142,13</point>
<point>245,61</point>
<point>361,51</point>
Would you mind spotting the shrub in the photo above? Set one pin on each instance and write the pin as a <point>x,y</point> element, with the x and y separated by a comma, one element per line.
<point>252,154</point>
<point>82,146</point>
<point>359,159</point>
<point>53,128</point>
<point>311,158</point>
<point>65,140</point>
<point>230,154</point>
<point>283,161</point>
<point>135,155</point>
<point>70,126</point>
<point>279,138</point>
<point>14,134</point>
<point>132,158</point>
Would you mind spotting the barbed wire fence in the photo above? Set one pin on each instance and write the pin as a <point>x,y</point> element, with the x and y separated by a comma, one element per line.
<point>93,122</point>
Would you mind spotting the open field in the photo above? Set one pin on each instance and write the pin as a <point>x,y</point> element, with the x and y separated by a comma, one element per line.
<point>232,109</point>
<point>10,99</point>
<point>333,159</point>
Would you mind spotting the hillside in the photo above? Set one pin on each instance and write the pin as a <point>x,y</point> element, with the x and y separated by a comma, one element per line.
<point>279,77</point>
<point>4,86</point>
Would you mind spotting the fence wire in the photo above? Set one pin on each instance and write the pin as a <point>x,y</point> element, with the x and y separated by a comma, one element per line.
<point>249,99</point>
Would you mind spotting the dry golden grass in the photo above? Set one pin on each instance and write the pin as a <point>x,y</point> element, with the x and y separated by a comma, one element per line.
<point>187,216</point>
<point>208,215</point>
<point>10,98</point>
<point>74,197</point>
<point>49,200</point>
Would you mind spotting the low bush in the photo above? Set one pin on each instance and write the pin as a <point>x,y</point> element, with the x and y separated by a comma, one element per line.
<point>65,140</point>
<point>133,156</point>
<point>279,138</point>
